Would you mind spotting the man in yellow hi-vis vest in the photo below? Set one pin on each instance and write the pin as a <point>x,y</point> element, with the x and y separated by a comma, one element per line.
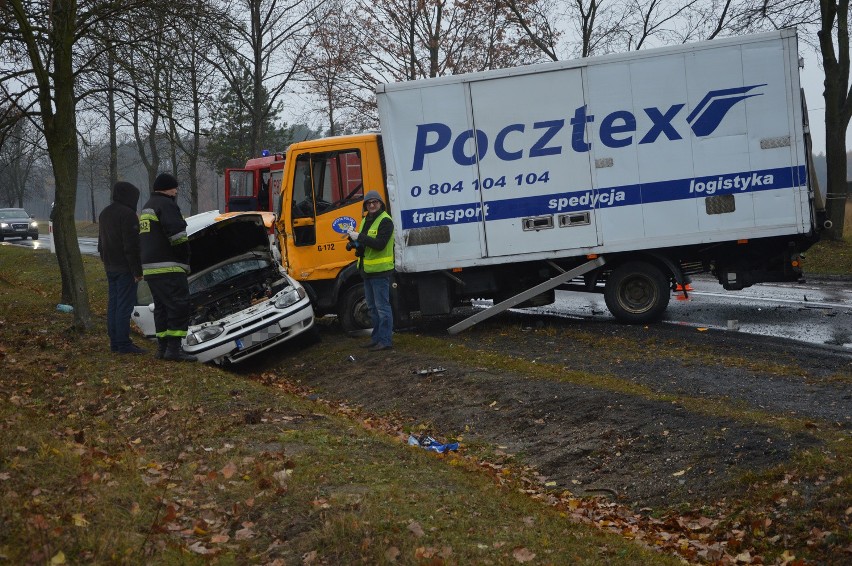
<point>374,248</point>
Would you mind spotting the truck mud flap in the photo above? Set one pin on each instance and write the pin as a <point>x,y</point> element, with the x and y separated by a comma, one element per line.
<point>525,295</point>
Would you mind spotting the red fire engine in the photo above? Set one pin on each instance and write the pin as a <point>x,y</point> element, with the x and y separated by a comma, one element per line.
<point>255,186</point>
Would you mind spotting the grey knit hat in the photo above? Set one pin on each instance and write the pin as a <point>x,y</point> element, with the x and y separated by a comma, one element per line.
<point>373,195</point>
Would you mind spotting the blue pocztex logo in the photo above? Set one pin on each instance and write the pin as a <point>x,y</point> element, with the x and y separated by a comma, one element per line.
<point>343,224</point>
<point>714,106</point>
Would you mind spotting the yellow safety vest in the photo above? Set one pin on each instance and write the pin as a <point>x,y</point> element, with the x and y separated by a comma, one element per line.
<point>377,261</point>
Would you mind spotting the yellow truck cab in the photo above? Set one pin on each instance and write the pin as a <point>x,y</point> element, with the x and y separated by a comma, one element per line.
<point>322,195</point>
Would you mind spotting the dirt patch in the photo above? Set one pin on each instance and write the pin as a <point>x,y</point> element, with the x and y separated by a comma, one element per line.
<point>655,416</point>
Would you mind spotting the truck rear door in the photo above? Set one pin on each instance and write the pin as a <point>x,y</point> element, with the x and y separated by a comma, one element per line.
<point>534,176</point>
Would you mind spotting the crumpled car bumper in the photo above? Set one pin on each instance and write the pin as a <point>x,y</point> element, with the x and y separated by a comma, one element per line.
<point>245,336</point>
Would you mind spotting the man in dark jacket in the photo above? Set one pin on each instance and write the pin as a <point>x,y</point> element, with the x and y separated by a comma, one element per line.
<point>374,248</point>
<point>165,264</point>
<point>118,246</point>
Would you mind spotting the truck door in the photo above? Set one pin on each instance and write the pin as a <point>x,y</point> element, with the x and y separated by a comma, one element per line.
<point>326,202</point>
<point>240,190</point>
<point>534,174</point>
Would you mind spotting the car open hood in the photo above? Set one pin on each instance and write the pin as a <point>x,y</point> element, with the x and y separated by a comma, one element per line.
<point>214,239</point>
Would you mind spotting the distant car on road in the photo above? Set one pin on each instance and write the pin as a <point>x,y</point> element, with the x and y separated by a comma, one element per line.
<point>16,223</point>
<point>242,300</point>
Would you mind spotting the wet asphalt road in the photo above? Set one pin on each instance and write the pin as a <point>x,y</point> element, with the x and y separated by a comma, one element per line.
<point>818,311</point>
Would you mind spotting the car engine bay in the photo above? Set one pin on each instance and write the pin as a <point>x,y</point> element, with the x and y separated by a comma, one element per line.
<point>232,287</point>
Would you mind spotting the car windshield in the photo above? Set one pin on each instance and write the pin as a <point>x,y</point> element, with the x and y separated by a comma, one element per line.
<point>14,213</point>
<point>224,273</point>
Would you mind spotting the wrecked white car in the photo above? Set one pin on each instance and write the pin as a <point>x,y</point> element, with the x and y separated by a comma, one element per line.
<point>242,301</point>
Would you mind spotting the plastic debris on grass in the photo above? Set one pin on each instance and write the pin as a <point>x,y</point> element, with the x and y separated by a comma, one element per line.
<point>429,443</point>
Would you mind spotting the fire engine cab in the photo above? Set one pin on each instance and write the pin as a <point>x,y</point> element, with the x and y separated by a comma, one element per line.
<point>257,186</point>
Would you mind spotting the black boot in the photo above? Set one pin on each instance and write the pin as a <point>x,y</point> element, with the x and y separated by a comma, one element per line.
<point>162,343</point>
<point>176,354</point>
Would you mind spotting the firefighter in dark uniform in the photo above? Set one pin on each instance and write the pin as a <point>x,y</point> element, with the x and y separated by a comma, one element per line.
<point>165,266</point>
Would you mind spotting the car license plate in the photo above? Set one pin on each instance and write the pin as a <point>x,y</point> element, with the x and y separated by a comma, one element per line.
<point>239,343</point>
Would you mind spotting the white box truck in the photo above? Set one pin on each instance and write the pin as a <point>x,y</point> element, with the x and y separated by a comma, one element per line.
<point>620,174</point>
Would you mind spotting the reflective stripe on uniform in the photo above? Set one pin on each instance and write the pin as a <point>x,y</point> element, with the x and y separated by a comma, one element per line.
<point>163,270</point>
<point>171,334</point>
<point>161,267</point>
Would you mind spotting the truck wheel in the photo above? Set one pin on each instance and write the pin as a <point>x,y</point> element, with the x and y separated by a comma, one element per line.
<point>353,309</point>
<point>637,292</point>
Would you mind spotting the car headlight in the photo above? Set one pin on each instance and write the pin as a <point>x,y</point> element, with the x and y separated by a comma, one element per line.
<point>33,224</point>
<point>204,334</point>
<point>4,225</point>
<point>291,297</point>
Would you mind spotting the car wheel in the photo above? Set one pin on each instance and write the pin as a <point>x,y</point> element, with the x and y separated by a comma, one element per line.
<point>354,314</point>
<point>35,236</point>
<point>637,292</point>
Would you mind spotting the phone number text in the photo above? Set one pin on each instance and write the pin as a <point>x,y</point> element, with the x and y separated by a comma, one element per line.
<point>486,183</point>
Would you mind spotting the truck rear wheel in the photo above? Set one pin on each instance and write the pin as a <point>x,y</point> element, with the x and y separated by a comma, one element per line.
<point>637,292</point>
<point>353,312</point>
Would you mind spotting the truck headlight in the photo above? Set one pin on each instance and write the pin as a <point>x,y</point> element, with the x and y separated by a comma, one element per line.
<point>204,334</point>
<point>33,224</point>
<point>291,297</point>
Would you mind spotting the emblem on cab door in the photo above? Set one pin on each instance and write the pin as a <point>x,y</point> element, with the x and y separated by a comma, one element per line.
<point>343,224</point>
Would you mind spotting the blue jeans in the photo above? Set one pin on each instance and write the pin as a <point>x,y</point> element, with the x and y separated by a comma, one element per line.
<point>122,296</point>
<point>377,294</point>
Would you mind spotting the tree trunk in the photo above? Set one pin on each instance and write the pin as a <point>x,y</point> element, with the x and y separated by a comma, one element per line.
<point>112,120</point>
<point>61,136</point>
<point>92,197</point>
<point>835,161</point>
<point>838,109</point>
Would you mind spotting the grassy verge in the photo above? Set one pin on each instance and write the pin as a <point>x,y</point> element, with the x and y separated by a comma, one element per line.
<point>124,459</point>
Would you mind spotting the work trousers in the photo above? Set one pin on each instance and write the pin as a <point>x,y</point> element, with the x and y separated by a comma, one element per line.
<point>171,304</point>
<point>377,295</point>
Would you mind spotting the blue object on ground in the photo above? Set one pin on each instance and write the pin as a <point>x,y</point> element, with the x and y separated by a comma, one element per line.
<point>429,443</point>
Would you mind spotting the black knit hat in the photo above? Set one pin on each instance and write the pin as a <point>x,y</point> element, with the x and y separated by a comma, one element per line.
<point>165,181</point>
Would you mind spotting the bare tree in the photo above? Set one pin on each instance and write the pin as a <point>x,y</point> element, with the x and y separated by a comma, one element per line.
<point>415,39</point>
<point>268,39</point>
<point>596,26</point>
<point>146,63</point>
<point>656,21</point>
<point>94,164</point>
<point>20,153</point>
<point>536,18</point>
<point>192,83</point>
<point>48,50</point>
<point>330,65</point>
